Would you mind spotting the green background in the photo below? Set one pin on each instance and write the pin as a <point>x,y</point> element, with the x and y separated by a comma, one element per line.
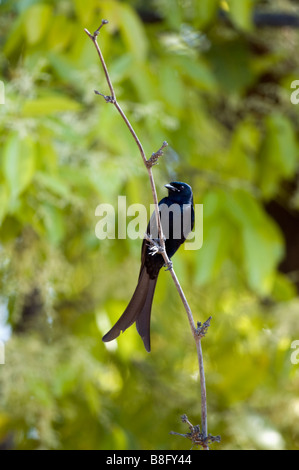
<point>218,91</point>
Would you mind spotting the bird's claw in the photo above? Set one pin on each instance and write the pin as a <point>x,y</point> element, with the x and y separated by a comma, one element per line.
<point>168,266</point>
<point>154,245</point>
<point>153,250</point>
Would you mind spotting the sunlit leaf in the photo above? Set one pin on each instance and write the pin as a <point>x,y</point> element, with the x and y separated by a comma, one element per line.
<point>48,105</point>
<point>262,240</point>
<point>131,27</point>
<point>18,163</point>
<point>4,200</point>
<point>205,10</point>
<point>85,10</point>
<point>136,42</point>
<point>53,183</point>
<point>54,223</point>
<point>278,155</point>
<point>241,12</point>
<point>197,71</point>
<point>14,37</point>
<point>61,33</point>
<point>36,22</point>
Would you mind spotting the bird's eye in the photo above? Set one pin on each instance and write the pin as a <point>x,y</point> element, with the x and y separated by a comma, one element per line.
<point>182,187</point>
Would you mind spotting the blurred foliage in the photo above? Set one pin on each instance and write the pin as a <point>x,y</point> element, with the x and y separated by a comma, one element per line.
<point>218,90</point>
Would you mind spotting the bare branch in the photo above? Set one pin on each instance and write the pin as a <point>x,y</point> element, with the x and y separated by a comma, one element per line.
<point>159,246</point>
<point>112,99</point>
<point>93,37</point>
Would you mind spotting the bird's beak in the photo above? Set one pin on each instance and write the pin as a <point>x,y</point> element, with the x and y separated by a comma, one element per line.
<point>172,188</point>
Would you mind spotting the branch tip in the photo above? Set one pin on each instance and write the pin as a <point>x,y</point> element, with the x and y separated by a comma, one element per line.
<point>97,31</point>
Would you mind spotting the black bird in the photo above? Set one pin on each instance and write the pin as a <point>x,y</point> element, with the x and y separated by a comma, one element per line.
<point>177,220</point>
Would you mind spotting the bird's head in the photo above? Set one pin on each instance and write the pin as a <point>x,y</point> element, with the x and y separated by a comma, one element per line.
<point>179,191</point>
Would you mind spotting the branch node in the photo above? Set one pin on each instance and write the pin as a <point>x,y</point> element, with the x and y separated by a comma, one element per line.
<point>153,160</point>
<point>196,436</point>
<point>202,329</point>
<point>107,98</point>
<point>97,31</point>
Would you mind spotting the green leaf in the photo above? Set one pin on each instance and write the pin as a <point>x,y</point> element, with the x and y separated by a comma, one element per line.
<point>261,254</point>
<point>245,143</point>
<point>85,10</point>
<point>18,163</point>
<point>121,68</point>
<point>278,155</point>
<point>54,223</point>
<point>283,289</point>
<point>132,31</point>
<point>261,239</point>
<point>65,68</point>
<point>48,105</point>
<point>171,86</point>
<point>217,235</point>
<point>60,34</point>
<point>241,13</point>
<point>172,12</point>
<point>204,11</point>
<point>53,183</point>
<point>15,37</point>
<point>231,62</point>
<point>36,22</point>
<point>4,200</point>
<point>197,71</point>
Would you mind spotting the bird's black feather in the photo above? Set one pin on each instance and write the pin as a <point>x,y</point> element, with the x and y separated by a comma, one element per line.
<point>177,218</point>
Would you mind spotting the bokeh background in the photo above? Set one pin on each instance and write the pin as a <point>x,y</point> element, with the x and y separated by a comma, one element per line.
<point>213,78</point>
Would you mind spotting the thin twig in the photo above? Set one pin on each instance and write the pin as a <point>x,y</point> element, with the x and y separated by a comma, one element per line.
<point>195,435</point>
<point>112,99</point>
<point>199,332</point>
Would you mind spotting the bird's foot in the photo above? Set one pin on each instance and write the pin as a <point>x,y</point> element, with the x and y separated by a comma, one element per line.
<point>155,245</point>
<point>168,266</point>
<point>153,250</point>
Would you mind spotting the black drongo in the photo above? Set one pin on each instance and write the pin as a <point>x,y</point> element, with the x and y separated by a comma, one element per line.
<point>177,220</point>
